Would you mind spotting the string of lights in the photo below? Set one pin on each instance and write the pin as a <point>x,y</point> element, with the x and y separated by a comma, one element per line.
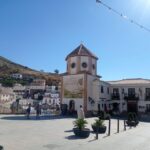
<point>123,16</point>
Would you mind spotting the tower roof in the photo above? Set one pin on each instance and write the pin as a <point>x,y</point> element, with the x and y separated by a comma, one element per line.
<point>81,50</point>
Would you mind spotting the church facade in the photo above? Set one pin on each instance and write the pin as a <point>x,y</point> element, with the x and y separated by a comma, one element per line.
<point>82,86</point>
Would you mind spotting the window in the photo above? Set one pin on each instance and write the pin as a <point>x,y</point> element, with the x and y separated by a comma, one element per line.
<point>93,66</point>
<point>147,91</point>
<point>84,65</point>
<point>115,91</point>
<point>147,96</point>
<point>73,65</point>
<point>122,90</point>
<point>147,107</point>
<point>131,91</point>
<point>102,89</point>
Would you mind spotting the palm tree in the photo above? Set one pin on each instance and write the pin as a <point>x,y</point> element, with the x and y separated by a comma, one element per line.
<point>80,123</point>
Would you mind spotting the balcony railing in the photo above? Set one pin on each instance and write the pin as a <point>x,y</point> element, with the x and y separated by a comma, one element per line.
<point>134,97</point>
<point>147,97</point>
<point>115,96</point>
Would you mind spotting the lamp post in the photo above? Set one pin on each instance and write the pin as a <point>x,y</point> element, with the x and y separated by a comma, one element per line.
<point>118,125</point>
<point>109,126</point>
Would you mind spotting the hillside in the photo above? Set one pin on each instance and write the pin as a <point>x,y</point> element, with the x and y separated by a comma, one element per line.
<point>8,67</point>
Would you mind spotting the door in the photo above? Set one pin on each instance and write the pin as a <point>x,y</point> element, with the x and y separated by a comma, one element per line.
<point>132,107</point>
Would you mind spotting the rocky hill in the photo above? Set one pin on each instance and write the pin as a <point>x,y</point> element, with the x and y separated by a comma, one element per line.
<point>8,67</point>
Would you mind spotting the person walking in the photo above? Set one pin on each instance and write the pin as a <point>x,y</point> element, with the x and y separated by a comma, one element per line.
<point>38,111</point>
<point>80,113</point>
<point>28,111</point>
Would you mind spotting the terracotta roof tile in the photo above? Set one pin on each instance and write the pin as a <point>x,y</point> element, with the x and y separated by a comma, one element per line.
<point>81,50</point>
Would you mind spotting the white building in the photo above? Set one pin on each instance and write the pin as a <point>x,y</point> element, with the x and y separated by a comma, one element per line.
<point>132,95</point>
<point>38,84</point>
<point>19,89</point>
<point>17,76</point>
<point>82,86</point>
<point>105,96</point>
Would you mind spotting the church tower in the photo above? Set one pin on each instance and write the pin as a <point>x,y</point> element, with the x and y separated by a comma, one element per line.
<point>81,60</point>
<point>81,82</point>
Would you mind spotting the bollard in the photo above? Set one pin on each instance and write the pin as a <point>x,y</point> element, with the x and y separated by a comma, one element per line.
<point>109,127</point>
<point>130,126</point>
<point>96,133</point>
<point>117,125</point>
<point>124,125</point>
<point>1,147</point>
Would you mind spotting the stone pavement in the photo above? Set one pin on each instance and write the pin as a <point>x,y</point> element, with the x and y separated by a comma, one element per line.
<point>51,133</point>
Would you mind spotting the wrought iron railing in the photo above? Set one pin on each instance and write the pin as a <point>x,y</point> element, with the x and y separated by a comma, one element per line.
<point>115,96</point>
<point>134,97</point>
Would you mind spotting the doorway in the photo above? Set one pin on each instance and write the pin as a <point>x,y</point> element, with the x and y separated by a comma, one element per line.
<point>132,107</point>
<point>71,107</point>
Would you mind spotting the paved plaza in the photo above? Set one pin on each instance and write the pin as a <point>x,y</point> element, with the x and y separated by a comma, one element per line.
<point>52,133</point>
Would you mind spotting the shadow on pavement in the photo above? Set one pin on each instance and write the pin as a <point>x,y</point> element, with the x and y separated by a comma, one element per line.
<point>73,137</point>
<point>106,136</point>
<point>92,140</point>
<point>21,118</point>
<point>68,131</point>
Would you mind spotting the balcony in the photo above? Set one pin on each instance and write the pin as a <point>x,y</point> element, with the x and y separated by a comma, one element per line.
<point>115,96</point>
<point>147,97</point>
<point>133,97</point>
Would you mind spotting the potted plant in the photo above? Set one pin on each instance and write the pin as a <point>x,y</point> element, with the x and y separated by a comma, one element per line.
<point>103,115</point>
<point>132,119</point>
<point>98,126</point>
<point>79,128</point>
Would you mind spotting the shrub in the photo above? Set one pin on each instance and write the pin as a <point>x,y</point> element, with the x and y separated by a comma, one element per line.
<point>98,123</point>
<point>80,123</point>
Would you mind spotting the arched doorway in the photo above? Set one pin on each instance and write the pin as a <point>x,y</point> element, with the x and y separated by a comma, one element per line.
<point>71,107</point>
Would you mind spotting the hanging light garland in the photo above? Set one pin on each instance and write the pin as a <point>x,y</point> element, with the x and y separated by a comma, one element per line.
<point>123,16</point>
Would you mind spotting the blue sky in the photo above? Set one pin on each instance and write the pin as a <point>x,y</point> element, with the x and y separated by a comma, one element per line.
<point>40,33</point>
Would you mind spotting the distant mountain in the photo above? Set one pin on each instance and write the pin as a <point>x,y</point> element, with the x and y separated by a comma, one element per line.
<point>7,67</point>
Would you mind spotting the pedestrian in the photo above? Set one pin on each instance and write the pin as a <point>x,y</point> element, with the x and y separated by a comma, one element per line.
<point>28,111</point>
<point>81,113</point>
<point>38,111</point>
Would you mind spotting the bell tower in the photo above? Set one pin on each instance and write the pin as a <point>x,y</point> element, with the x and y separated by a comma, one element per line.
<point>81,60</point>
<point>81,82</point>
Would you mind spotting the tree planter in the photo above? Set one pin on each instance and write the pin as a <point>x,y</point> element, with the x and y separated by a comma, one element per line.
<point>101,130</point>
<point>132,123</point>
<point>84,133</point>
<point>132,120</point>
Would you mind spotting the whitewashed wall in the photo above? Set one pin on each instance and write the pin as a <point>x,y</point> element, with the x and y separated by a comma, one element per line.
<point>93,92</point>
<point>71,83</point>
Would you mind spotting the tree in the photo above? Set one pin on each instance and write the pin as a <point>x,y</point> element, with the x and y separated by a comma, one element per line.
<point>41,70</point>
<point>56,71</point>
